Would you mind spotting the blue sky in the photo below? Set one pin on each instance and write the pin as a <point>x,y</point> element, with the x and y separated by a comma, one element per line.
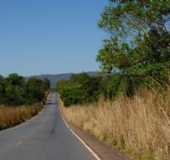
<point>49,36</point>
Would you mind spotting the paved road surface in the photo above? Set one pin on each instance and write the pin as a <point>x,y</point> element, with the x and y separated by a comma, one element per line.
<point>42,138</point>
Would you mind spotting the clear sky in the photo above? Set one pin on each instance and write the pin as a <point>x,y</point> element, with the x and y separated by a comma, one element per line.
<point>49,36</point>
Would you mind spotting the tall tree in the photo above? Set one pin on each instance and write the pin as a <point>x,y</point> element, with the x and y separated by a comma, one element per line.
<point>122,16</point>
<point>139,46</point>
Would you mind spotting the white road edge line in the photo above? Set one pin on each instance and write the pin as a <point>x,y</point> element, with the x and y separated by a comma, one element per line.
<point>82,141</point>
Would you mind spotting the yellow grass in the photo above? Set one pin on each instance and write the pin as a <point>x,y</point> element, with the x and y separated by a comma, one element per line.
<point>138,126</point>
<point>11,116</point>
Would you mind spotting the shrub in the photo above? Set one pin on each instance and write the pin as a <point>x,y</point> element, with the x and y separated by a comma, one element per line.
<point>79,89</point>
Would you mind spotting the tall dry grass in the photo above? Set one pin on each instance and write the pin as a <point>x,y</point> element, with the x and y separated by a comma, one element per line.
<point>139,126</point>
<point>11,116</point>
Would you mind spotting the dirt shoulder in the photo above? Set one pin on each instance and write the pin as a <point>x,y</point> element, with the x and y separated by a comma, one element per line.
<point>104,151</point>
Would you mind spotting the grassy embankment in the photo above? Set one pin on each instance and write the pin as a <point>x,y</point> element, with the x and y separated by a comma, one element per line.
<point>139,126</point>
<point>11,116</point>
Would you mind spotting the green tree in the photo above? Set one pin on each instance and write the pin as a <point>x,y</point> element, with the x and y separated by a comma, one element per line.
<point>36,90</point>
<point>124,16</point>
<point>1,89</point>
<point>15,79</point>
<point>14,95</point>
<point>142,59</point>
<point>81,88</point>
<point>46,84</point>
<point>14,90</point>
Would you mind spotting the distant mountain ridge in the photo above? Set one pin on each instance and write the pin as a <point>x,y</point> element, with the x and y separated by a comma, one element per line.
<point>54,78</point>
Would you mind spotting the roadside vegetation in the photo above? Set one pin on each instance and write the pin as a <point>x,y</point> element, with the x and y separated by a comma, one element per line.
<point>20,99</point>
<point>11,116</point>
<point>80,89</point>
<point>128,106</point>
<point>138,126</point>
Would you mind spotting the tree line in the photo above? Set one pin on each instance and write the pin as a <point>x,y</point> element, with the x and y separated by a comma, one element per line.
<point>136,54</point>
<point>16,90</point>
<point>81,88</point>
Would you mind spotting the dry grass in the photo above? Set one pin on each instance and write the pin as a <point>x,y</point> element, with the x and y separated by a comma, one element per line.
<point>138,126</point>
<point>11,116</point>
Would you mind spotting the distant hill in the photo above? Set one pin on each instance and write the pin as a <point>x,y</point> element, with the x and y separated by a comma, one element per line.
<point>54,78</point>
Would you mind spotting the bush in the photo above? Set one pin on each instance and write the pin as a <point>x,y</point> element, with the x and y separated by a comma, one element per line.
<point>81,88</point>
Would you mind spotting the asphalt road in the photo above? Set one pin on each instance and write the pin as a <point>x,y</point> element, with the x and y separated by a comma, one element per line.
<point>45,137</point>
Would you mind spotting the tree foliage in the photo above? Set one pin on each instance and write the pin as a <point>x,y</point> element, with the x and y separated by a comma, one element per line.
<point>142,59</point>
<point>81,88</point>
<point>139,15</point>
<point>137,54</point>
<point>16,90</point>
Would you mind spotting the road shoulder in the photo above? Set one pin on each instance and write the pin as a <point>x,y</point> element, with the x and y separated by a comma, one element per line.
<point>102,150</point>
